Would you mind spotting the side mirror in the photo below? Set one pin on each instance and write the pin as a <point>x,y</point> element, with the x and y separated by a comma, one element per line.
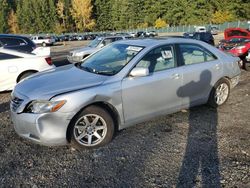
<point>139,72</point>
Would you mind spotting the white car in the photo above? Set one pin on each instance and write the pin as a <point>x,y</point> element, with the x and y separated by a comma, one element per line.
<point>200,29</point>
<point>15,66</point>
<point>44,41</point>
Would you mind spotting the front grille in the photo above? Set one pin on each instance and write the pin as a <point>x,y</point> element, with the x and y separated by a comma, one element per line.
<point>15,103</point>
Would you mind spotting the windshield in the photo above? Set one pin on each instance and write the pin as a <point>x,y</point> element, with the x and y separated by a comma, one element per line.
<point>94,43</point>
<point>111,59</point>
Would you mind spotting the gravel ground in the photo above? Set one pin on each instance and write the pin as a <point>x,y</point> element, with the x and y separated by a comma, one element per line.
<point>201,147</point>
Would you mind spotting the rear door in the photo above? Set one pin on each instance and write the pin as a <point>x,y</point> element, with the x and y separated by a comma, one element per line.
<point>155,94</point>
<point>201,70</point>
<point>8,71</point>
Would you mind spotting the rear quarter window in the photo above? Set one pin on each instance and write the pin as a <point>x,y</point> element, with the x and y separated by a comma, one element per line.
<point>4,56</point>
<point>192,54</point>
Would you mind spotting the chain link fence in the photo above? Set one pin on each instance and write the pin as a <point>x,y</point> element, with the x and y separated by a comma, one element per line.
<point>191,28</point>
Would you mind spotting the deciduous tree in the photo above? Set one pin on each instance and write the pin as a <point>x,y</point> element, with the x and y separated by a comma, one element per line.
<point>12,22</point>
<point>159,23</point>
<point>81,13</point>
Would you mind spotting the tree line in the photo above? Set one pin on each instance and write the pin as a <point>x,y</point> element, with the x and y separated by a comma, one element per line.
<point>60,16</point>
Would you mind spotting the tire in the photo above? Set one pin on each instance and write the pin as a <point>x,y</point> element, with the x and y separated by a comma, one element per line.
<point>91,128</point>
<point>219,93</point>
<point>43,44</point>
<point>246,66</point>
<point>25,75</point>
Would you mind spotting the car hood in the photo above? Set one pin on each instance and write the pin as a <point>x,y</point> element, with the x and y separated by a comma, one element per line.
<point>85,49</point>
<point>236,33</point>
<point>45,85</point>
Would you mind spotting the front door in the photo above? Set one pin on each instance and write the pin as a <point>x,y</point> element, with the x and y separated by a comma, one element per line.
<point>155,94</point>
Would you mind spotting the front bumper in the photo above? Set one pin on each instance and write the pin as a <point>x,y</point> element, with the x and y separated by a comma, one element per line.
<point>47,129</point>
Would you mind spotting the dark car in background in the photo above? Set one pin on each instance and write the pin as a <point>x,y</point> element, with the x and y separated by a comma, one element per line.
<point>17,42</point>
<point>204,36</point>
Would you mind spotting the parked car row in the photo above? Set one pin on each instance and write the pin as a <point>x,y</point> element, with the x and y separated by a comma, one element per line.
<point>79,37</point>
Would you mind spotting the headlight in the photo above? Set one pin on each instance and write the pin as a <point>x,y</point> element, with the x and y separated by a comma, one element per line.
<point>240,47</point>
<point>78,54</point>
<point>39,107</point>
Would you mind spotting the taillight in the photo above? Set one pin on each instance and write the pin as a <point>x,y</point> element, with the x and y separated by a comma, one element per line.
<point>49,60</point>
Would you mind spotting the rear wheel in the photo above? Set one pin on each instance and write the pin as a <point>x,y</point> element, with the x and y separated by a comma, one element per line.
<point>219,93</point>
<point>91,128</point>
<point>25,75</point>
<point>44,44</point>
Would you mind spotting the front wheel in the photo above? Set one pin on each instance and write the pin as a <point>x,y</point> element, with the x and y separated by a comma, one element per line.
<point>219,93</point>
<point>91,128</point>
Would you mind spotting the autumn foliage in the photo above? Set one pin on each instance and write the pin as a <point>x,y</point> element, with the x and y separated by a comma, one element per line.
<point>67,16</point>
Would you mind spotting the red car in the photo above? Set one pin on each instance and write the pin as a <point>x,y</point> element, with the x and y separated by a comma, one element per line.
<point>236,33</point>
<point>237,42</point>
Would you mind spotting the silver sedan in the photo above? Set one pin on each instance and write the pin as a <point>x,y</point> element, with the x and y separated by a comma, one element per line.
<point>125,83</point>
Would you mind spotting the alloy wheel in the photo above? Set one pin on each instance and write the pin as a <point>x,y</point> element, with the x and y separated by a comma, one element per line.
<point>221,93</point>
<point>90,130</point>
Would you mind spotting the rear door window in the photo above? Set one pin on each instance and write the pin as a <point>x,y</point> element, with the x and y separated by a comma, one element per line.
<point>192,54</point>
<point>4,56</point>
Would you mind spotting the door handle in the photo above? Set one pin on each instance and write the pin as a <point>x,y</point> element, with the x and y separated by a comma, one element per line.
<point>175,76</point>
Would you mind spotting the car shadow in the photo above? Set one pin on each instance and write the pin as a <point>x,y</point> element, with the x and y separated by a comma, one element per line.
<point>200,162</point>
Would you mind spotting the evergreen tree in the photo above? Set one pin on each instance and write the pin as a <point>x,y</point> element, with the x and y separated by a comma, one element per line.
<point>4,12</point>
<point>103,15</point>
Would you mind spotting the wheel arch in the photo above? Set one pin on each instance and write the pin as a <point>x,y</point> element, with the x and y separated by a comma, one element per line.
<point>24,72</point>
<point>108,107</point>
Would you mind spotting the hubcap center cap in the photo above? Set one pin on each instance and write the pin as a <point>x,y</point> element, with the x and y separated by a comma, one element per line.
<point>90,130</point>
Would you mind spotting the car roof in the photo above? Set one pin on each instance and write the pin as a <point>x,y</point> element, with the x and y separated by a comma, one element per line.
<point>109,37</point>
<point>157,41</point>
<point>11,35</point>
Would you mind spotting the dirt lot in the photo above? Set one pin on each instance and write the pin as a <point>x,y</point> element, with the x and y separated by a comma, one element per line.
<point>201,147</point>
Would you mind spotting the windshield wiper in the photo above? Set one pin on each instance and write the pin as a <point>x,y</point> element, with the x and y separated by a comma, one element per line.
<point>88,69</point>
